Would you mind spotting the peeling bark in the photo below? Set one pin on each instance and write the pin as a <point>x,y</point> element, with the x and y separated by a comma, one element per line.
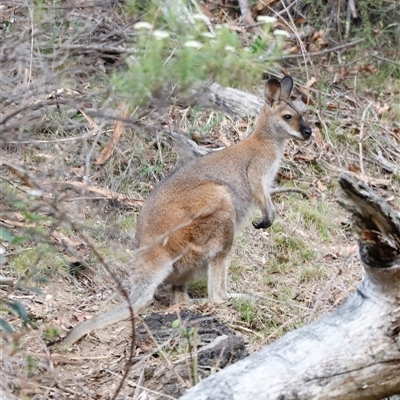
<point>351,353</point>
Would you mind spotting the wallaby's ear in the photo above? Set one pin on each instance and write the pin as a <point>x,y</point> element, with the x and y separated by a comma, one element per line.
<point>272,91</point>
<point>287,86</point>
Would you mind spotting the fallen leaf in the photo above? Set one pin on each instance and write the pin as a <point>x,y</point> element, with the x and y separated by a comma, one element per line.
<point>370,68</point>
<point>82,316</point>
<point>90,120</point>
<point>310,82</point>
<point>381,109</point>
<point>223,139</point>
<point>208,13</point>
<point>320,186</point>
<point>299,20</point>
<point>263,4</point>
<point>123,110</point>
<point>354,168</point>
<point>318,137</point>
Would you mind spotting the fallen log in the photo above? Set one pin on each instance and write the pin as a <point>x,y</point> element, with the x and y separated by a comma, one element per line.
<point>351,353</point>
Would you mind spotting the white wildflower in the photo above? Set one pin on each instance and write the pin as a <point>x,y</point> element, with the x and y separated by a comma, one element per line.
<point>208,35</point>
<point>36,192</point>
<point>193,43</point>
<point>266,19</point>
<point>159,35</point>
<point>143,25</point>
<point>201,17</point>
<point>280,32</point>
<point>230,48</point>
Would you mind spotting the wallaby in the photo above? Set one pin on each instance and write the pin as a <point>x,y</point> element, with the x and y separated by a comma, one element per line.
<point>187,225</point>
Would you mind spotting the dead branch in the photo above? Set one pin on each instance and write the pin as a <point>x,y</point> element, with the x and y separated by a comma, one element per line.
<point>351,353</point>
<point>6,281</point>
<point>246,11</point>
<point>322,52</point>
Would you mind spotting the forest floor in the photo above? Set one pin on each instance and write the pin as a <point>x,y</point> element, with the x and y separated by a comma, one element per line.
<point>302,267</point>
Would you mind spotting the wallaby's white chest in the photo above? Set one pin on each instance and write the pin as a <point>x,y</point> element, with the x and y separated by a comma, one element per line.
<point>270,174</point>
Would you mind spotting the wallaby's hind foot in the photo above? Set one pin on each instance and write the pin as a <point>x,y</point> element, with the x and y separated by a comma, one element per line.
<point>179,295</point>
<point>247,297</point>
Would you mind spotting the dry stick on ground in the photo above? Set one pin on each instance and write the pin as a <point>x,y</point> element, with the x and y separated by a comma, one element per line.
<point>322,52</point>
<point>351,353</point>
<point>6,281</point>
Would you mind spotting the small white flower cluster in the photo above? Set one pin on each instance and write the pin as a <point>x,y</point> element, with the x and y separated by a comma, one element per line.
<point>159,35</point>
<point>280,32</point>
<point>143,25</point>
<point>265,19</point>
<point>201,17</point>
<point>193,43</point>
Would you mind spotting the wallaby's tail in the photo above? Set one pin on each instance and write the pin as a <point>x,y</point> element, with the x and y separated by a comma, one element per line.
<point>99,321</point>
<point>147,277</point>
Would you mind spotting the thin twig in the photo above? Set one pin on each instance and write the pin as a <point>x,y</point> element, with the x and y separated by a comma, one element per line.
<point>322,52</point>
<point>245,11</point>
<point>360,143</point>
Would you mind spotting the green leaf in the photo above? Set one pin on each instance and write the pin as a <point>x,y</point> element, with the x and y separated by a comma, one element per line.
<point>19,239</point>
<point>19,309</point>
<point>32,217</point>
<point>41,279</point>
<point>175,324</point>
<point>35,289</point>
<point>6,235</point>
<point>5,326</point>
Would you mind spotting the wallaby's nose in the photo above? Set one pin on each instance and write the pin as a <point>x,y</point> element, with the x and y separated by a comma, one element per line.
<point>306,131</point>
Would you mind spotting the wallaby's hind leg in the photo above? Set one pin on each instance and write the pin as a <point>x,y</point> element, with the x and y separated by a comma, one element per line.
<point>217,276</point>
<point>179,295</point>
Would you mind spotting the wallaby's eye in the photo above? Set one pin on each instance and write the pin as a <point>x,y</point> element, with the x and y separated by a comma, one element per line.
<point>287,117</point>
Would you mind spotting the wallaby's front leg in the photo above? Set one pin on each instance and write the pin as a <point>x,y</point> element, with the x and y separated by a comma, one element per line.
<point>268,213</point>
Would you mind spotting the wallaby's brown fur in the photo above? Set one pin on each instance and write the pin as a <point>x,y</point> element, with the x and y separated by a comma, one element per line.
<point>187,225</point>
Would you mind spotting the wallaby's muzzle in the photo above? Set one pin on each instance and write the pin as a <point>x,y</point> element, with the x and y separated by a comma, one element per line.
<point>305,130</point>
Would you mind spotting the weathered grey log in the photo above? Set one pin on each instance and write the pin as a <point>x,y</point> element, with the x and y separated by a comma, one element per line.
<point>351,353</point>
<point>212,95</point>
<point>234,101</point>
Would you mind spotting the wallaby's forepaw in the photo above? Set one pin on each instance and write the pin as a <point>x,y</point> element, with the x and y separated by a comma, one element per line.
<point>268,218</point>
<point>263,224</point>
